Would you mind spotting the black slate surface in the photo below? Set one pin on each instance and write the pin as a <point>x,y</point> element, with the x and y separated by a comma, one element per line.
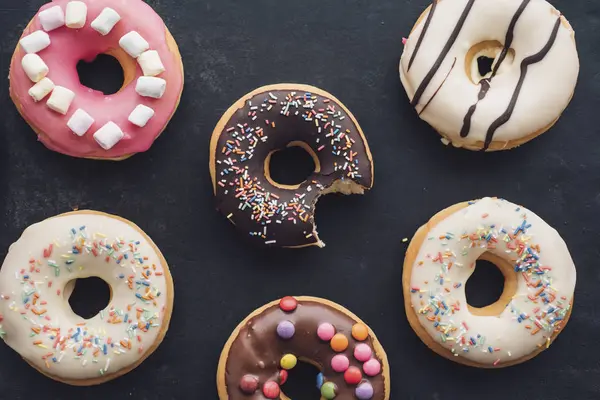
<point>350,48</point>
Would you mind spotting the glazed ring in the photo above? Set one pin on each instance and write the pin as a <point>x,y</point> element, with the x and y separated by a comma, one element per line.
<point>538,291</point>
<point>38,277</point>
<point>81,122</point>
<point>267,345</point>
<point>270,119</point>
<point>530,83</point>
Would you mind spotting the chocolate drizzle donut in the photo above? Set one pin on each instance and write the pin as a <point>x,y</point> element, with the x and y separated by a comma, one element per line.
<point>270,119</point>
<point>267,344</point>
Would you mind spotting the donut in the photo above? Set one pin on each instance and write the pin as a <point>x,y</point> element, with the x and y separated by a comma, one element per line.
<point>75,120</point>
<point>38,277</point>
<point>265,121</point>
<point>537,299</point>
<point>522,94</point>
<point>264,348</point>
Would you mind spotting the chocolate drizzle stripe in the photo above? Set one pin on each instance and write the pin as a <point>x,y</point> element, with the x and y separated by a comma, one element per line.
<point>422,35</point>
<point>439,88</point>
<point>534,59</point>
<point>485,83</point>
<point>425,83</point>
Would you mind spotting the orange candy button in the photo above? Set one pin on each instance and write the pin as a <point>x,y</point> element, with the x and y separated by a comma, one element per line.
<point>339,343</point>
<point>360,332</point>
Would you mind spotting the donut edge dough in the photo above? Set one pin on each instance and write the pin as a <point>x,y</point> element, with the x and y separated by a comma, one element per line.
<point>129,68</point>
<point>241,102</point>
<point>411,255</point>
<point>496,145</point>
<point>165,322</point>
<point>377,347</point>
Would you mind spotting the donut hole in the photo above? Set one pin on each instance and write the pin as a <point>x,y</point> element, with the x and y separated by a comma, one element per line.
<point>481,60</point>
<point>87,296</point>
<point>302,382</point>
<point>291,166</point>
<point>485,285</point>
<point>104,74</point>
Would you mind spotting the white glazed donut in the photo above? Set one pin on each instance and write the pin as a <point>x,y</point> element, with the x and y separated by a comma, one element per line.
<point>538,291</point>
<point>38,276</point>
<point>532,80</point>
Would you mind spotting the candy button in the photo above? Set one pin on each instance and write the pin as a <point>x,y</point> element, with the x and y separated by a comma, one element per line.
<point>320,379</point>
<point>364,391</point>
<point>325,331</point>
<point>283,376</point>
<point>288,361</point>
<point>271,390</point>
<point>362,352</point>
<point>339,343</point>
<point>360,332</point>
<point>288,304</point>
<point>353,376</point>
<point>286,330</point>
<point>249,384</point>
<point>372,367</point>
<point>340,363</point>
<point>328,390</point>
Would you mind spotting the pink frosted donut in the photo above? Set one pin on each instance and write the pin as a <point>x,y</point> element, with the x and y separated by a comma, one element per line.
<point>81,122</point>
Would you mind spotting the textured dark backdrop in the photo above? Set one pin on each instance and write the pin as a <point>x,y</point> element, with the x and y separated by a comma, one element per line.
<point>350,48</point>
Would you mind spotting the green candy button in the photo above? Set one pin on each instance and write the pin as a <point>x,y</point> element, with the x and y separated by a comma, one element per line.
<point>328,390</point>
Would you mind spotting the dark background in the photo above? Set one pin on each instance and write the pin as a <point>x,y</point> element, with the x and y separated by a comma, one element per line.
<point>351,49</point>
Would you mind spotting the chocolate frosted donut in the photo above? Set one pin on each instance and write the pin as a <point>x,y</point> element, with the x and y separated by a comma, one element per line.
<point>268,343</point>
<point>270,119</point>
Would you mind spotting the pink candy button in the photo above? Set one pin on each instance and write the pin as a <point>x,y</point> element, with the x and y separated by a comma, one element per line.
<point>362,352</point>
<point>340,363</point>
<point>372,367</point>
<point>325,331</point>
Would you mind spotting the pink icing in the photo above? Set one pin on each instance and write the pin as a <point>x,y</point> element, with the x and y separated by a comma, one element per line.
<point>67,48</point>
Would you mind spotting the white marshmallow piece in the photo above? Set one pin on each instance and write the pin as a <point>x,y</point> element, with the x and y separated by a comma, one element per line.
<point>60,100</point>
<point>149,86</point>
<point>151,63</point>
<point>34,42</point>
<point>80,122</point>
<point>104,22</point>
<point>140,115</point>
<point>52,18</point>
<point>134,44</point>
<point>34,67</point>
<point>76,14</point>
<point>41,89</point>
<point>108,135</point>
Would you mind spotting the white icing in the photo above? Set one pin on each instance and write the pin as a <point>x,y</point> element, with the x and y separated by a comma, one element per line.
<point>547,89</point>
<point>503,332</point>
<point>21,281</point>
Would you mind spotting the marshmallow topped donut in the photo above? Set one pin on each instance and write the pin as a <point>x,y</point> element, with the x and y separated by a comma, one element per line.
<point>263,350</point>
<point>538,292</point>
<point>38,277</point>
<point>81,122</point>
<point>270,119</point>
<point>531,80</point>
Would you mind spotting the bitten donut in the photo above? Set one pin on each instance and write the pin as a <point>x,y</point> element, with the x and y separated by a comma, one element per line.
<point>267,345</point>
<point>81,122</point>
<point>529,84</point>
<point>538,291</point>
<point>270,119</point>
<point>38,277</point>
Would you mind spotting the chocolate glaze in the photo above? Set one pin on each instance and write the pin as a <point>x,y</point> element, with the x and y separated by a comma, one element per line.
<point>536,58</point>
<point>269,214</point>
<point>257,344</point>
<point>453,36</point>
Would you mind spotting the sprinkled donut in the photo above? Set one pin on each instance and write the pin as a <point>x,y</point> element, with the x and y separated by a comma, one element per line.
<point>538,292</point>
<point>530,83</point>
<point>265,121</point>
<point>38,277</point>
<point>81,122</point>
<point>266,346</point>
